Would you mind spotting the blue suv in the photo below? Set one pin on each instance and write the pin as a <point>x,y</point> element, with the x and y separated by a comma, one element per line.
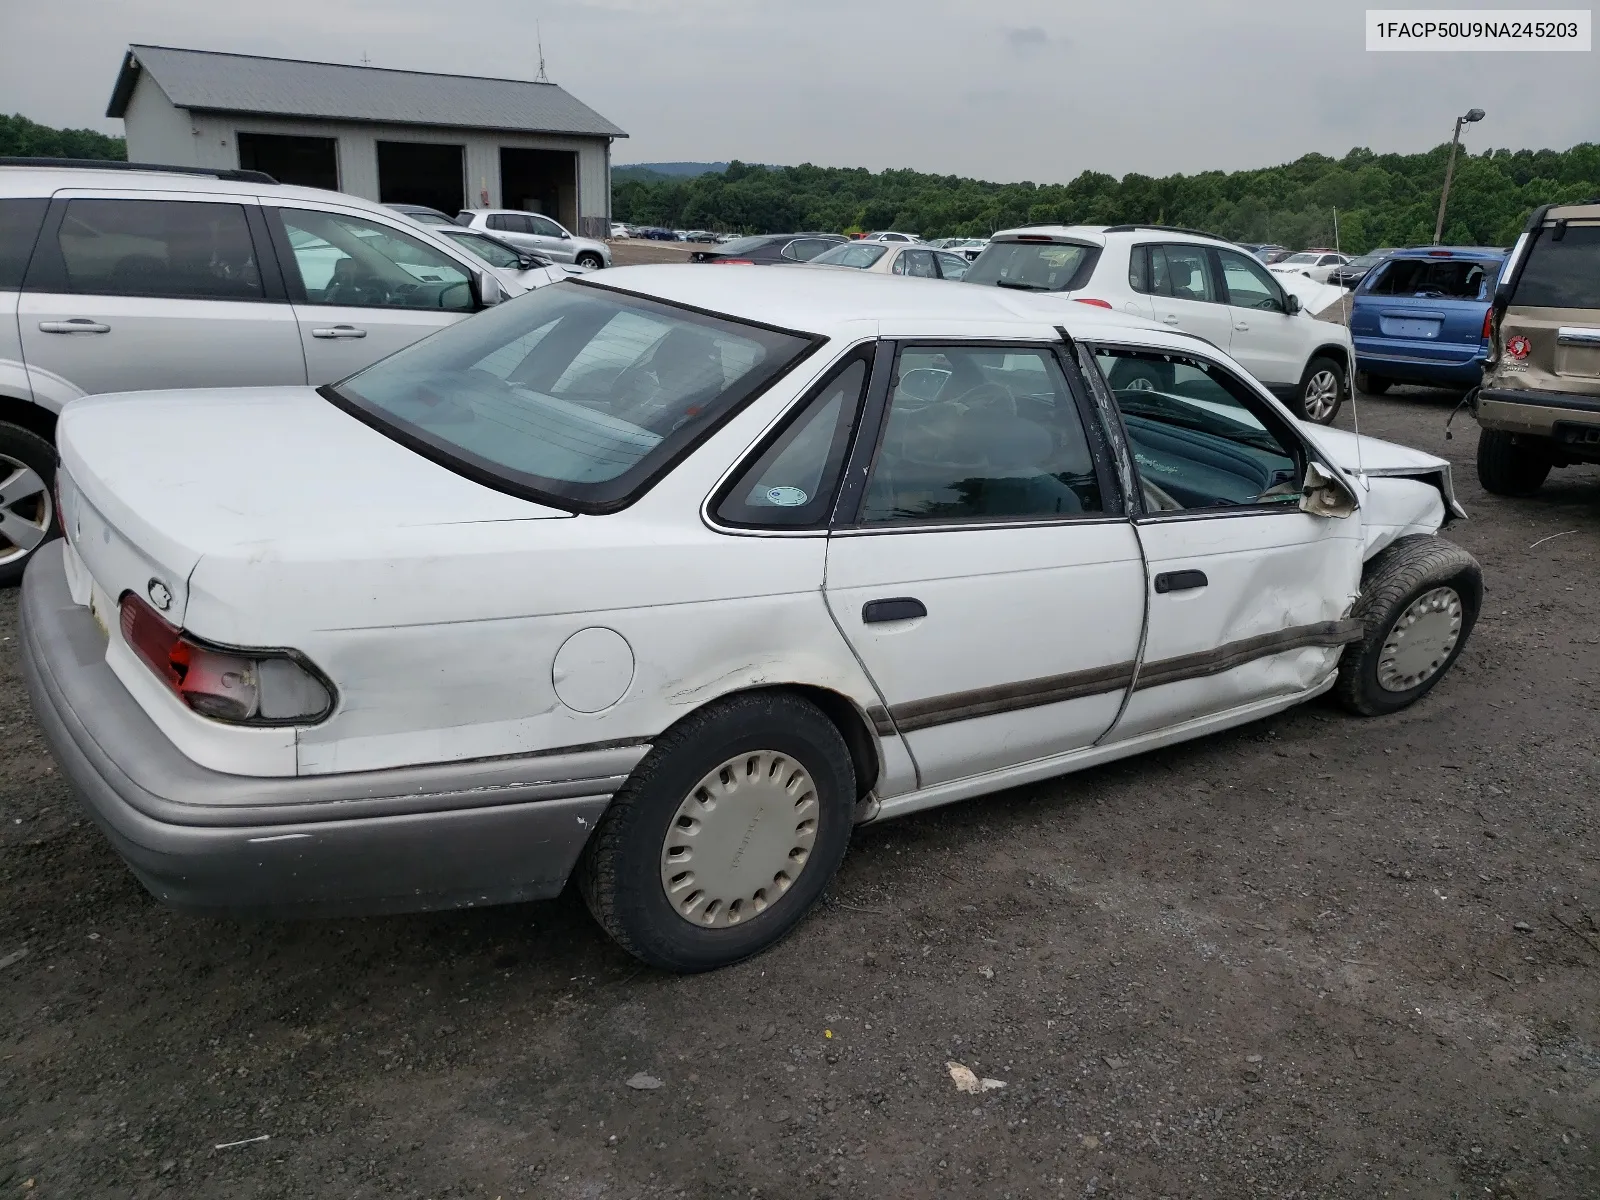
<point>1420,317</point>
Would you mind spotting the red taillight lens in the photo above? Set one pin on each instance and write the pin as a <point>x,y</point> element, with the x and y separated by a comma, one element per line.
<point>1096,303</point>
<point>238,687</point>
<point>1488,324</point>
<point>733,262</point>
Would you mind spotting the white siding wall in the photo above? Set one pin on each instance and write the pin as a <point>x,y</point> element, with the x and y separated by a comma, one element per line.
<point>157,131</point>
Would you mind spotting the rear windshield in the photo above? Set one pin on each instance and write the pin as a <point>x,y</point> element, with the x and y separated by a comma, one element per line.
<point>1032,266</point>
<point>571,395</point>
<point>853,254</point>
<point>1446,278</point>
<point>1303,257</point>
<point>1562,274</point>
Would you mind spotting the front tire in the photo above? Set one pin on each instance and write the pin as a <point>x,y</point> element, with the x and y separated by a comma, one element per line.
<point>725,836</point>
<point>591,260</point>
<point>27,499</point>
<point>1322,391</point>
<point>1509,465</point>
<point>1419,600</point>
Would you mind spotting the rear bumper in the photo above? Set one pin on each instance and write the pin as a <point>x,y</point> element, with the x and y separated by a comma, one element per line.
<point>1536,413</point>
<point>1392,362</point>
<point>443,836</point>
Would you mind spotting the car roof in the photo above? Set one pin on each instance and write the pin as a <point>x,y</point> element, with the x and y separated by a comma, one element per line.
<point>45,181</point>
<point>1450,252</point>
<point>831,303</point>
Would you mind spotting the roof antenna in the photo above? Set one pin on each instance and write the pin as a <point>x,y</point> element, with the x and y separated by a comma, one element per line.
<point>1355,412</point>
<point>541,77</point>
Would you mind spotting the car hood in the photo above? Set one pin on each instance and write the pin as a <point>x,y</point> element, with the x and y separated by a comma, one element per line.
<point>252,476</point>
<point>1314,297</point>
<point>1369,458</point>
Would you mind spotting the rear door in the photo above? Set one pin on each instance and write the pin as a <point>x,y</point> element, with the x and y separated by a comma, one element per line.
<point>1186,293</point>
<point>363,288</point>
<point>981,565</point>
<point>129,290</point>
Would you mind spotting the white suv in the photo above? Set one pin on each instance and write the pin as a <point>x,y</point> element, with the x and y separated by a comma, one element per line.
<point>1189,281</point>
<point>536,232</point>
<point>119,278</point>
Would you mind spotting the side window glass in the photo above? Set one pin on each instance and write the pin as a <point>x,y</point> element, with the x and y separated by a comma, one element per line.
<point>543,226</point>
<point>499,221</point>
<point>1183,272</point>
<point>921,265</point>
<point>902,264</point>
<point>953,266</point>
<point>19,227</point>
<point>805,249</point>
<point>175,249</point>
<point>1249,286</point>
<point>348,260</point>
<point>1200,439</point>
<point>1139,269</point>
<point>791,483</point>
<point>981,434</point>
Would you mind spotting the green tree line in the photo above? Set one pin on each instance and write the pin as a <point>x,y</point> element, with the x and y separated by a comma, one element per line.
<point>22,138</point>
<point>1381,199</point>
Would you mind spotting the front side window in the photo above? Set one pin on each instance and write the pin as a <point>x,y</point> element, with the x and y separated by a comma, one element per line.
<point>953,266</point>
<point>544,226</point>
<point>860,255</point>
<point>351,261</point>
<point>1181,272</point>
<point>576,396</point>
<point>1249,284</point>
<point>173,249</point>
<point>1200,438</point>
<point>975,433</point>
<point>1564,273</point>
<point>490,251</point>
<point>791,483</point>
<point>1034,266</point>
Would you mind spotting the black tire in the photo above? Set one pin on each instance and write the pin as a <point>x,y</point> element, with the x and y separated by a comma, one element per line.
<point>1511,465</point>
<point>620,874</point>
<point>590,259</point>
<point>1394,580</point>
<point>22,447</point>
<point>1314,380</point>
<point>1133,373</point>
<point>1373,385</point>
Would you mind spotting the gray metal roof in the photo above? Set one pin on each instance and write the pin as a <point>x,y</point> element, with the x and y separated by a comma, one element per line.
<point>205,80</point>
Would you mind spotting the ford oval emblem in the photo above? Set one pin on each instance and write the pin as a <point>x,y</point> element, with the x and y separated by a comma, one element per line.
<point>160,594</point>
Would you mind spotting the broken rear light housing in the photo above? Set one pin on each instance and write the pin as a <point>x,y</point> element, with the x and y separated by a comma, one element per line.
<point>226,683</point>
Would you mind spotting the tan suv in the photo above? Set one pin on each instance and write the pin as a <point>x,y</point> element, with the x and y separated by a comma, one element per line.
<point>1539,406</point>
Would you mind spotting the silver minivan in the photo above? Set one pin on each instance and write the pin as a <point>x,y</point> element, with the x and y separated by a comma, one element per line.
<point>118,278</point>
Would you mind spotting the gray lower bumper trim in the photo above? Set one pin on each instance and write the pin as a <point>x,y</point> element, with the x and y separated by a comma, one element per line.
<point>425,837</point>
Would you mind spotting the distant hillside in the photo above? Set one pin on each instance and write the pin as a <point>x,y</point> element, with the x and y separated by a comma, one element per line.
<point>666,170</point>
<point>22,138</point>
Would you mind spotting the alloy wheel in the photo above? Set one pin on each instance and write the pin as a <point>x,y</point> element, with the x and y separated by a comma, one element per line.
<point>1321,399</point>
<point>27,510</point>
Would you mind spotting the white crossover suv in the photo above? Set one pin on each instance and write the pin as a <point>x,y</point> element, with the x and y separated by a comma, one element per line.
<point>1188,281</point>
<point>536,232</point>
<point>116,277</point>
<point>668,577</point>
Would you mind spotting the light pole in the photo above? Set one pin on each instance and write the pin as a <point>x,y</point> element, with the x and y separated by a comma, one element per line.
<point>1473,114</point>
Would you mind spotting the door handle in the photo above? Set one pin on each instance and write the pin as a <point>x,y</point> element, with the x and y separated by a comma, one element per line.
<point>75,325</point>
<point>898,608</point>
<point>1180,581</point>
<point>1242,327</point>
<point>1171,318</point>
<point>339,331</point>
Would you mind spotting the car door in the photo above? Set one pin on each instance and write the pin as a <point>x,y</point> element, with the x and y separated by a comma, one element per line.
<point>981,565</point>
<point>514,228</point>
<point>1271,344</point>
<point>1248,596</point>
<point>1185,293</point>
<point>550,239</point>
<point>129,291</point>
<point>362,288</point>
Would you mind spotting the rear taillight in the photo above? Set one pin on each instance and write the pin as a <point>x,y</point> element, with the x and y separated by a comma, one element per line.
<point>734,262</point>
<point>1096,303</point>
<point>1488,324</point>
<point>242,687</point>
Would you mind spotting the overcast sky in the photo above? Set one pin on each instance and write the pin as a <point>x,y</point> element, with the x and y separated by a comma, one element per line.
<point>1025,89</point>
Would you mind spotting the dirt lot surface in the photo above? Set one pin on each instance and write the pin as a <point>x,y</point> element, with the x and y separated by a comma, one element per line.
<point>1318,956</point>
<point>631,253</point>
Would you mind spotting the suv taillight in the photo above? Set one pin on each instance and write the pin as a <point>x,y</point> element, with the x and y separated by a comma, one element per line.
<point>242,687</point>
<point>1488,325</point>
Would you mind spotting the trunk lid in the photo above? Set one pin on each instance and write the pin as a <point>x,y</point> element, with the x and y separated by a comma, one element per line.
<point>153,481</point>
<point>1548,336</point>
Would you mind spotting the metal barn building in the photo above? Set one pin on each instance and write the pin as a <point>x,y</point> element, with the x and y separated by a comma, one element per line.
<point>449,141</point>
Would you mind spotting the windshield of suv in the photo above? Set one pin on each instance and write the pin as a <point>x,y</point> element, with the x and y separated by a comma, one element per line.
<point>1562,274</point>
<point>1032,266</point>
<point>572,395</point>
<point>852,254</point>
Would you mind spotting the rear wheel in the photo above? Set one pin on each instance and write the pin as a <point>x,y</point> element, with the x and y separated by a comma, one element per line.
<point>725,835</point>
<point>1511,465</point>
<point>27,504</point>
<point>1136,375</point>
<point>591,260</point>
<point>1419,600</point>
<point>1373,385</point>
<point>1322,390</point>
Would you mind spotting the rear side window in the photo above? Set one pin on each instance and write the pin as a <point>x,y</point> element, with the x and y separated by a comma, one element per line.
<point>853,254</point>
<point>1429,278</point>
<point>19,227</point>
<point>173,249</point>
<point>805,249</point>
<point>508,222</point>
<point>1564,273</point>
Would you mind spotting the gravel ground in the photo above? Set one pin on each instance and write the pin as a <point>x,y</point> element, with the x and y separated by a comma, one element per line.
<point>1317,956</point>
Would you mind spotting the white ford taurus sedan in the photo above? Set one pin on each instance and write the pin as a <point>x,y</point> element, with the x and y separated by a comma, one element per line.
<point>668,578</point>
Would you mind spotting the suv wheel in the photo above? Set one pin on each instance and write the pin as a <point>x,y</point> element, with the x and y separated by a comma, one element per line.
<point>1322,390</point>
<point>590,259</point>
<point>1509,465</point>
<point>27,502</point>
<point>725,835</point>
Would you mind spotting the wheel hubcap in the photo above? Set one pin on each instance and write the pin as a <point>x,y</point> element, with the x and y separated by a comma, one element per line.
<point>740,839</point>
<point>1322,395</point>
<point>26,510</point>
<point>1421,641</point>
<point>1141,383</point>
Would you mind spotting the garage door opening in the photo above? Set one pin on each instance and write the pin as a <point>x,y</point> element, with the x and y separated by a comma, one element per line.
<point>307,161</point>
<point>422,173</point>
<point>542,181</point>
